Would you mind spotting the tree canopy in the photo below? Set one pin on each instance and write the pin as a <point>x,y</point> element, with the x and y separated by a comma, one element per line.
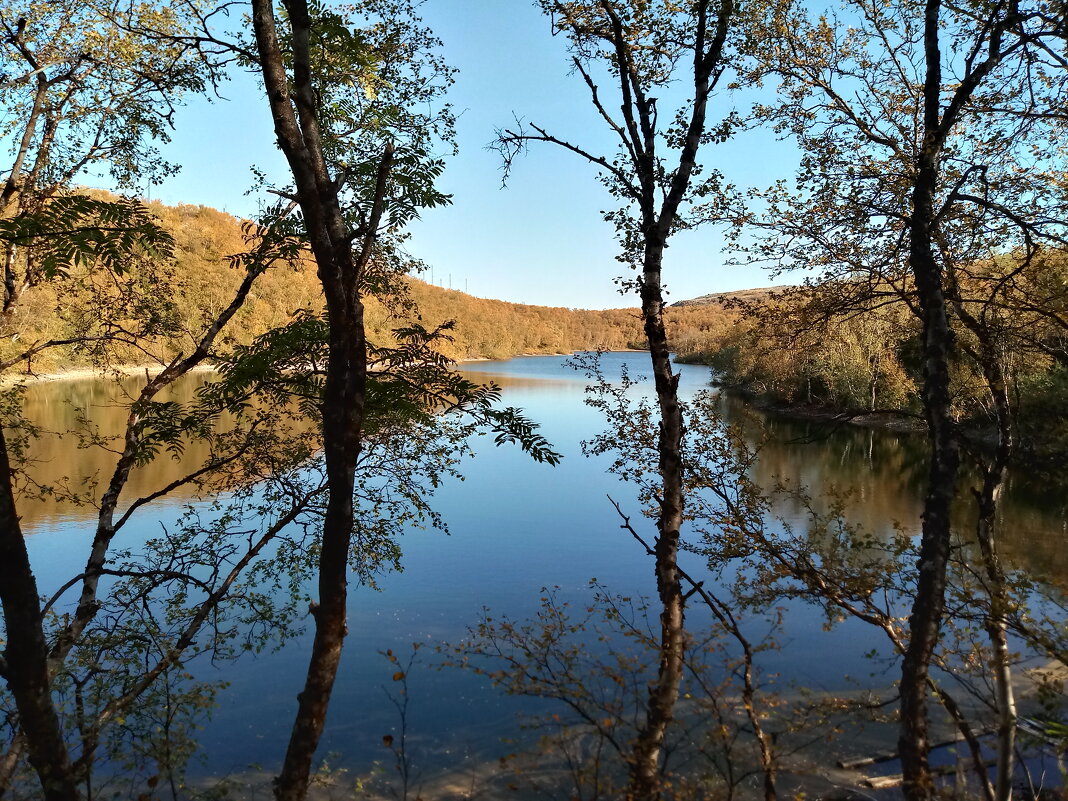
<point>928,211</point>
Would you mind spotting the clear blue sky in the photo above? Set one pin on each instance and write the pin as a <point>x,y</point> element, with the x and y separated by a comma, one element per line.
<point>540,240</point>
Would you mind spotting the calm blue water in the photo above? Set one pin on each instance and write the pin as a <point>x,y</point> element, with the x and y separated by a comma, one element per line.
<point>517,527</point>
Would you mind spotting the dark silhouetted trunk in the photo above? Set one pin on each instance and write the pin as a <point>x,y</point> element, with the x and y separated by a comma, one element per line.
<point>342,407</point>
<point>929,603</point>
<point>301,140</point>
<point>939,119</point>
<point>642,178</point>
<point>25,665</point>
<point>640,112</point>
<point>925,622</point>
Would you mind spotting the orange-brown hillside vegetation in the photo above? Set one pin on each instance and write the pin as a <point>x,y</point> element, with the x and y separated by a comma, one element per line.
<point>729,299</point>
<point>202,280</point>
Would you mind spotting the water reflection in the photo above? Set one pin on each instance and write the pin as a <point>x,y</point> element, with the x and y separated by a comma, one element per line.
<point>883,475</point>
<point>516,527</point>
<point>82,421</point>
<point>526,384</point>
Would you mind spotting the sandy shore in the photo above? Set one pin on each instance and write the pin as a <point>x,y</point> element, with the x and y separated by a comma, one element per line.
<point>81,373</point>
<point>77,373</point>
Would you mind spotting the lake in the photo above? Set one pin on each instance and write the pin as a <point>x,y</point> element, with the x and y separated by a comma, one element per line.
<point>517,527</point>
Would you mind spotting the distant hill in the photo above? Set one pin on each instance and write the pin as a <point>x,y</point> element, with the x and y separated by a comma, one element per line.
<point>202,281</point>
<point>498,329</point>
<point>725,298</point>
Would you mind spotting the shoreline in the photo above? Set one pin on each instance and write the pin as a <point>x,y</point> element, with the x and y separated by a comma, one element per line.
<point>81,373</point>
<point>879,419</point>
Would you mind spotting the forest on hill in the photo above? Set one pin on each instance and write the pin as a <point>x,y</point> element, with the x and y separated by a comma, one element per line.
<point>203,277</point>
<point>846,350</point>
<point>227,513</point>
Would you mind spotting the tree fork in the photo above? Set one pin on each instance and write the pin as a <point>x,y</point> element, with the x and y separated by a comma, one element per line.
<point>301,140</point>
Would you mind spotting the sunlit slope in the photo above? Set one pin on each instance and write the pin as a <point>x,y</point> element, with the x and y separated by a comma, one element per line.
<point>204,276</point>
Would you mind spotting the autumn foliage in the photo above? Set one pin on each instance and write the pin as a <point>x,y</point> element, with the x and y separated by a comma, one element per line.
<point>202,278</point>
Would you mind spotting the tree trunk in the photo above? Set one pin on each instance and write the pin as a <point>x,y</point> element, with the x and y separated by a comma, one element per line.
<point>301,140</point>
<point>928,606</point>
<point>664,692</point>
<point>25,665</point>
<point>939,119</point>
<point>638,178</point>
<point>342,409</point>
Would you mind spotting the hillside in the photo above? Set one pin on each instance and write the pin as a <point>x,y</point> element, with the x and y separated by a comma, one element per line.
<point>182,296</point>
<point>726,299</point>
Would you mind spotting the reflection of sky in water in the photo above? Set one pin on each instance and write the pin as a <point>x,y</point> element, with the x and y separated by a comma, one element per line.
<point>560,369</point>
<point>517,527</point>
